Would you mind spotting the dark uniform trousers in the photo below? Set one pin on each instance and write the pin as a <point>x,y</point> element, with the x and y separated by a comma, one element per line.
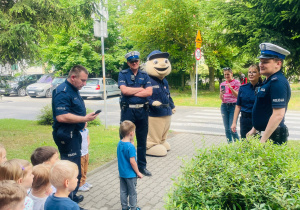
<point>67,153</point>
<point>139,116</point>
<point>245,123</point>
<point>280,135</point>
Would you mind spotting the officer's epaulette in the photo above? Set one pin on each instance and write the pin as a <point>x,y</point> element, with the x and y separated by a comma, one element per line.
<point>274,78</point>
<point>124,71</point>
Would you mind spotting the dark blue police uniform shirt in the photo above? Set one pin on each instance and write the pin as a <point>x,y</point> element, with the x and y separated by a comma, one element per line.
<point>66,99</point>
<point>140,80</point>
<point>246,97</point>
<point>160,93</point>
<point>275,92</point>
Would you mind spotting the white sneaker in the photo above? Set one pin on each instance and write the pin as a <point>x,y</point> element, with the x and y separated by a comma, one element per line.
<point>83,188</point>
<point>88,185</point>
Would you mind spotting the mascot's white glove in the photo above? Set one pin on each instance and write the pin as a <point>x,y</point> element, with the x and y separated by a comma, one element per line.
<point>173,111</point>
<point>156,103</point>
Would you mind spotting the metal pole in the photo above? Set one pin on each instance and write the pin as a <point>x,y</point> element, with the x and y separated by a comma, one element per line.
<point>104,83</point>
<point>196,80</point>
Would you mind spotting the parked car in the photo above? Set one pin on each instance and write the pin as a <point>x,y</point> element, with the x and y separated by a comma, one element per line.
<point>94,88</point>
<point>17,85</point>
<point>57,81</point>
<point>41,87</point>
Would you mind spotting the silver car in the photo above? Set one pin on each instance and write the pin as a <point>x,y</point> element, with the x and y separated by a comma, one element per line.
<point>41,87</point>
<point>94,88</point>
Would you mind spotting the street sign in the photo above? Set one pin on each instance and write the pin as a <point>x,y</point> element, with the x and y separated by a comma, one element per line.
<point>198,54</point>
<point>198,37</point>
<point>198,44</point>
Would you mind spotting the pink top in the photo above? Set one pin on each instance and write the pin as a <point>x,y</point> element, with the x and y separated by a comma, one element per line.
<point>228,97</point>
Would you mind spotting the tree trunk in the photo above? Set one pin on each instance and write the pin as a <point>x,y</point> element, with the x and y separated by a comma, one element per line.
<point>192,79</point>
<point>182,79</point>
<point>211,79</point>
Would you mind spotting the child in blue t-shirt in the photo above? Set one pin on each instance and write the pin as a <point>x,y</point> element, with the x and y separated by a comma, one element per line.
<point>128,169</point>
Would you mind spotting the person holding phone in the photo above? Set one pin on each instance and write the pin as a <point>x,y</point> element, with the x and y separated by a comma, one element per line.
<point>69,115</point>
<point>245,101</point>
<point>228,94</point>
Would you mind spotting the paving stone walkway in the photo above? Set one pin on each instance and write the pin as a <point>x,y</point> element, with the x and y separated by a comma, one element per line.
<point>151,191</point>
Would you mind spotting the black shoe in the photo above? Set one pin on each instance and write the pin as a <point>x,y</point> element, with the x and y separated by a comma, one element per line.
<point>78,198</point>
<point>145,172</point>
<point>82,208</point>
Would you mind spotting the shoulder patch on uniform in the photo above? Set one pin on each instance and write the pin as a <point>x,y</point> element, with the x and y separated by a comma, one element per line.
<point>124,71</point>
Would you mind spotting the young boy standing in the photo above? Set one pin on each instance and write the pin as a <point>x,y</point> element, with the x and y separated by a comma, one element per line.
<point>84,186</point>
<point>128,169</point>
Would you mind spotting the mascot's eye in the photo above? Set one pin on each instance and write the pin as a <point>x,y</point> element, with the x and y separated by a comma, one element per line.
<point>155,61</point>
<point>166,61</point>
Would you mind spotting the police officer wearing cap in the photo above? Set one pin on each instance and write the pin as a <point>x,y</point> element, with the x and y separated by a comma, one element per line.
<point>69,115</point>
<point>272,97</point>
<point>135,87</point>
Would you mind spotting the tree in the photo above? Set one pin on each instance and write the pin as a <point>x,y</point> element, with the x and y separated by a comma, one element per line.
<point>167,25</point>
<point>23,22</point>
<point>251,22</point>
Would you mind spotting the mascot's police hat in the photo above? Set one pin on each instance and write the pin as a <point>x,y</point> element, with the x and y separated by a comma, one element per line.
<point>157,54</point>
<point>269,50</point>
<point>132,56</point>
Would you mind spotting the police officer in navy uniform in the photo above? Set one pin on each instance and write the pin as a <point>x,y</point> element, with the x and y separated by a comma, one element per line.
<point>245,101</point>
<point>135,87</point>
<point>272,97</point>
<point>69,114</point>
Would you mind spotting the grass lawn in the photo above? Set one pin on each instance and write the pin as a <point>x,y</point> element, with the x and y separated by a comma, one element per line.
<point>22,137</point>
<point>211,99</point>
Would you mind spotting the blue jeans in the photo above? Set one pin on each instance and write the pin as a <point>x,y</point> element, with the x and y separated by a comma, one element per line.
<point>227,111</point>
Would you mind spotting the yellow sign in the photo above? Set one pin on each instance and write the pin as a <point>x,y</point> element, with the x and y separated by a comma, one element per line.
<point>198,37</point>
<point>198,44</point>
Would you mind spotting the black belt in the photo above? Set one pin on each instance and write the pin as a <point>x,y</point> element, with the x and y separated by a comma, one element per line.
<point>246,115</point>
<point>230,104</point>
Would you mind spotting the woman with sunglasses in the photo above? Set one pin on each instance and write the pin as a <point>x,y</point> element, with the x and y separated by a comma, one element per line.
<point>245,101</point>
<point>228,94</point>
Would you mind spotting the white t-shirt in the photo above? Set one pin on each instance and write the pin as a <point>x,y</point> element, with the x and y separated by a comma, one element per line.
<point>84,144</point>
<point>38,203</point>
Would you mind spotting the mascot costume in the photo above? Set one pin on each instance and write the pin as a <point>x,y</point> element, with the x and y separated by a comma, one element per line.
<point>161,105</point>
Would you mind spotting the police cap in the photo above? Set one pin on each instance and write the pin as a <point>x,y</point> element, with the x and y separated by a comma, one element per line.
<point>132,56</point>
<point>269,50</point>
<point>157,54</point>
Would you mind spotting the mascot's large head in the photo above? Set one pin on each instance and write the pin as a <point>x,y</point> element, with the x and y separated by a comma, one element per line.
<point>158,64</point>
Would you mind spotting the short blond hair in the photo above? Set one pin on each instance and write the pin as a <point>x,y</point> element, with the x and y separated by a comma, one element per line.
<point>41,179</point>
<point>61,171</point>
<point>14,169</point>
<point>11,194</point>
<point>126,127</point>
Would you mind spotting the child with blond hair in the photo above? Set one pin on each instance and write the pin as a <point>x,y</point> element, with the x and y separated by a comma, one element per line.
<point>20,171</point>
<point>63,176</point>
<point>41,186</point>
<point>12,195</point>
<point>2,154</point>
<point>128,169</point>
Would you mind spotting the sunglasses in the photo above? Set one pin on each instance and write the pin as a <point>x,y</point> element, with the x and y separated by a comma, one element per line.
<point>226,68</point>
<point>134,61</point>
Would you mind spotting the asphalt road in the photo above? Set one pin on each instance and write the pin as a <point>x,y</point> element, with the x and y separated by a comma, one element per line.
<point>186,119</point>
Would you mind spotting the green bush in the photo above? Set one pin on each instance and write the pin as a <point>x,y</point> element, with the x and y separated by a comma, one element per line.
<point>46,117</point>
<point>243,175</point>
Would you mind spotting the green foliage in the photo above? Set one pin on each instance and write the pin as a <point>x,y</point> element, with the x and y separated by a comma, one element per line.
<point>243,175</point>
<point>46,117</point>
<point>23,23</point>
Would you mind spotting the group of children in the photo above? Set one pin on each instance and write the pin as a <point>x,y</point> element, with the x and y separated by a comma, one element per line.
<point>46,182</point>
